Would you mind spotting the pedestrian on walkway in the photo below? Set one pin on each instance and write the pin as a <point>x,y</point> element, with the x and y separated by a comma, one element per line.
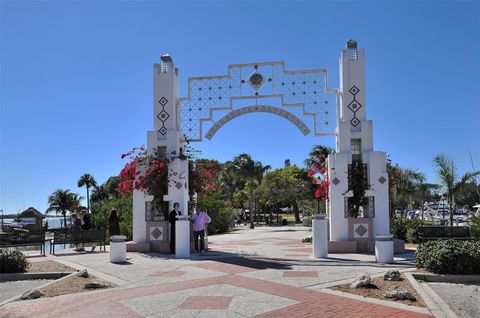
<point>200,219</point>
<point>87,224</point>
<point>113,223</point>
<point>76,227</point>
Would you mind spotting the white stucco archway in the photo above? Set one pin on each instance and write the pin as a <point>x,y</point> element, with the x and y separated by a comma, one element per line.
<point>257,109</point>
<point>216,100</point>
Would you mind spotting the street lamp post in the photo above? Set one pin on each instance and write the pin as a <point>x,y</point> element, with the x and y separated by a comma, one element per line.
<point>1,229</point>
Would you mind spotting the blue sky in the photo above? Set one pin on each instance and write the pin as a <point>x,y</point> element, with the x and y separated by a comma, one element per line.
<point>76,80</point>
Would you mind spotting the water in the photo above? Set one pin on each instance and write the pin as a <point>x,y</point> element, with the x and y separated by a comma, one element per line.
<point>53,222</point>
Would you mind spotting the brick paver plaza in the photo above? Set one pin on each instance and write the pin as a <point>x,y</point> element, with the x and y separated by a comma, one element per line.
<point>265,272</point>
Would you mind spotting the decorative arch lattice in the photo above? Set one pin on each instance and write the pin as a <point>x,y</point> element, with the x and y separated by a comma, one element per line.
<point>269,81</point>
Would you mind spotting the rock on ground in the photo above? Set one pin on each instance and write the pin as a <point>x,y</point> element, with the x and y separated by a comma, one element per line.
<point>400,293</point>
<point>83,273</point>
<point>392,275</point>
<point>362,281</point>
<point>32,294</point>
<point>96,284</point>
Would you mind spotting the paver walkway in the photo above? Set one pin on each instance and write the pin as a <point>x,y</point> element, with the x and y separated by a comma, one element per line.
<point>266,272</point>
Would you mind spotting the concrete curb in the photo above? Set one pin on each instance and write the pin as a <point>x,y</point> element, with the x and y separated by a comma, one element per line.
<point>14,298</point>
<point>458,279</point>
<point>29,276</point>
<point>436,304</point>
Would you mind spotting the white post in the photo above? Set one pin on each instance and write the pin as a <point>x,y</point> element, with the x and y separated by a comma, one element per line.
<point>320,236</point>
<point>139,223</point>
<point>384,248</point>
<point>182,237</point>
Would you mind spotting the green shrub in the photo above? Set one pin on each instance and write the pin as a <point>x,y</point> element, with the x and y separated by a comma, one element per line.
<point>123,205</point>
<point>222,217</point>
<point>308,239</point>
<point>449,257</point>
<point>12,261</point>
<point>406,229</point>
<point>475,227</point>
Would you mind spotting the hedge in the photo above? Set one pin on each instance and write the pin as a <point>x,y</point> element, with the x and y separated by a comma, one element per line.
<point>12,261</point>
<point>450,256</point>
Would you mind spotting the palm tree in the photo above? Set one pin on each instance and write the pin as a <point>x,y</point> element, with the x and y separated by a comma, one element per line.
<point>407,185</point>
<point>88,181</point>
<point>251,171</point>
<point>447,173</point>
<point>62,201</point>
<point>317,157</point>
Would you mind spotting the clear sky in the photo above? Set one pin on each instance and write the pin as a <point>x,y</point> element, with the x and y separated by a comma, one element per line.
<point>76,80</point>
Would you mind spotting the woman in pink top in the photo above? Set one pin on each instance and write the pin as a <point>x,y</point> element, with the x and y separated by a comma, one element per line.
<point>200,219</point>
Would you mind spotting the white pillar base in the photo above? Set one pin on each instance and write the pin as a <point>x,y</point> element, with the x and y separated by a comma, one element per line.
<point>320,237</point>
<point>384,248</point>
<point>182,237</point>
<point>118,249</point>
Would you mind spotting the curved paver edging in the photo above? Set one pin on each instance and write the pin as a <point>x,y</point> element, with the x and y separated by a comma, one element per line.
<point>17,297</point>
<point>436,304</point>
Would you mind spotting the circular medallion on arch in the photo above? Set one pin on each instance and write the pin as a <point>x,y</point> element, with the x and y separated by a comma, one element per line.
<point>256,80</point>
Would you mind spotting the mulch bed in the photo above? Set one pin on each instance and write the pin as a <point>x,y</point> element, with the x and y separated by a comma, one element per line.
<point>379,287</point>
<point>70,285</point>
<point>47,266</point>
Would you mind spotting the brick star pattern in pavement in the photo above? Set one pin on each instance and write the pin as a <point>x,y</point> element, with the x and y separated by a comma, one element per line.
<point>230,295</point>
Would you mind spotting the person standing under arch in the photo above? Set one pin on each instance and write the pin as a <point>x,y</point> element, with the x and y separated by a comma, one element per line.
<point>171,219</point>
<point>200,219</point>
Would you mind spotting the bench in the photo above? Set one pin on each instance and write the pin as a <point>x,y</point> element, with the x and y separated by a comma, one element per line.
<point>69,237</point>
<point>15,239</point>
<point>428,233</point>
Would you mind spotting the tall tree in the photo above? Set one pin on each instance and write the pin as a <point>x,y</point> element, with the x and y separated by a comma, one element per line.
<point>424,194</point>
<point>448,176</point>
<point>317,157</point>
<point>251,171</point>
<point>88,181</point>
<point>317,162</point>
<point>407,186</point>
<point>284,187</point>
<point>62,201</point>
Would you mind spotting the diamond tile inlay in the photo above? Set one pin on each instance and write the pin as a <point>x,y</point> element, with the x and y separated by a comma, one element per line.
<point>156,233</point>
<point>382,180</point>
<point>354,106</point>
<point>163,101</point>
<point>335,181</point>
<point>354,90</point>
<point>163,116</point>
<point>354,121</point>
<point>361,230</point>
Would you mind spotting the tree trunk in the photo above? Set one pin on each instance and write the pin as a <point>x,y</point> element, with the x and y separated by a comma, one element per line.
<point>295,210</point>
<point>451,211</point>
<point>64,218</point>
<point>250,202</point>
<point>88,199</point>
